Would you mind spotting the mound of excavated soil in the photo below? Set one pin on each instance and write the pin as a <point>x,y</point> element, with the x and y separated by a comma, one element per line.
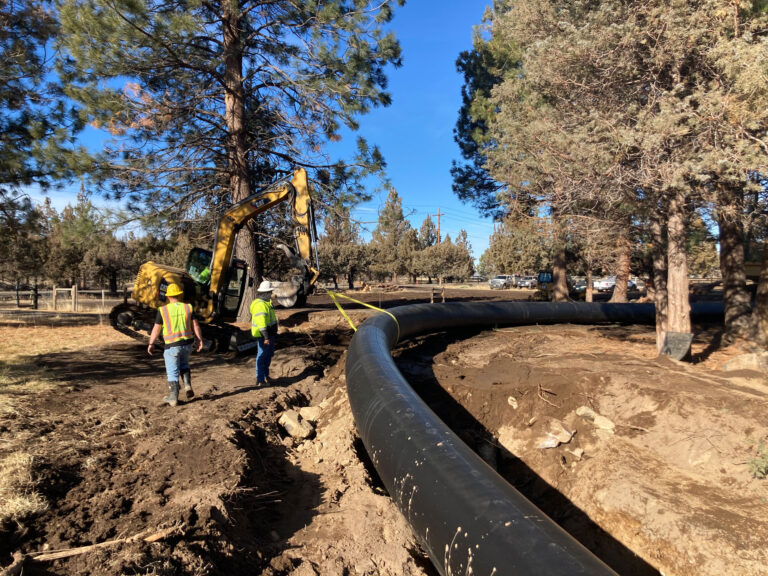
<point>644,460</point>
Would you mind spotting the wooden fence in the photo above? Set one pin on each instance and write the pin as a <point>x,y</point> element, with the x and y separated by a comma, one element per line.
<point>62,299</point>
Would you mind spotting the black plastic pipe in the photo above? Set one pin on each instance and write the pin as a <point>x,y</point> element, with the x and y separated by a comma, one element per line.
<point>467,518</point>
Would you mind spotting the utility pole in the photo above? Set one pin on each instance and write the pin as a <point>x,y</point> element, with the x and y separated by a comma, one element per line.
<point>438,224</point>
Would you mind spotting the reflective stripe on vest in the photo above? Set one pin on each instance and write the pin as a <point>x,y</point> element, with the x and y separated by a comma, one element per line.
<point>177,322</point>
<point>263,318</point>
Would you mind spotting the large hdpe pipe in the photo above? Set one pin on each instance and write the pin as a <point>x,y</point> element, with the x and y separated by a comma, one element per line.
<point>466,517</point>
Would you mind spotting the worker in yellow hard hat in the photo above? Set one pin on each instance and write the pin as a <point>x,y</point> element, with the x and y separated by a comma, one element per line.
<point>180,332</point>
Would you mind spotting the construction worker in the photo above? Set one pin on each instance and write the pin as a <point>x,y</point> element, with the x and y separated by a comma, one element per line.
<point>264,329</point>
<point>180,331</point>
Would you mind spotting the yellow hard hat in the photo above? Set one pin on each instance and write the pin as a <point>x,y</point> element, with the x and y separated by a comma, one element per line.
<point>173,290</point>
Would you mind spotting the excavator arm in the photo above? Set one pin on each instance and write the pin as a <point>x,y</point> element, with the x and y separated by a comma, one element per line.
<point>294,189</point>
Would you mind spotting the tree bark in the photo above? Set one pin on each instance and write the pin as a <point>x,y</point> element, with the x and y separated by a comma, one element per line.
<point>246,246</point>
<point>624,249</point>
<point>588,289</point>
<point>660,294</point>
<point>677,273</point>
<point>560,288</point>
<point>760,314</point>
<point>735,295</point>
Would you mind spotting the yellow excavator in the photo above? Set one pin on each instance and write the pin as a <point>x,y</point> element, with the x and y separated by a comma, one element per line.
<point>214,282</point>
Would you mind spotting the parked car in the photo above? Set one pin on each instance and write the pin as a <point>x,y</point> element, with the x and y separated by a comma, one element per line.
<point>578,288</point>
<point>500,282</point>
<point>608,283</point>
<point>605,284</point>
<point>477,278</point>
<point>527,282</point>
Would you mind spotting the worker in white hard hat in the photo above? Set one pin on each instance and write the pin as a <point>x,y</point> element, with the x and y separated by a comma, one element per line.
<point>264,329</point>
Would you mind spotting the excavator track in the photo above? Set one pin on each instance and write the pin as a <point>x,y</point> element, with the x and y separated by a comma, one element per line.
<point>125,328</point>
<point>136,321</point>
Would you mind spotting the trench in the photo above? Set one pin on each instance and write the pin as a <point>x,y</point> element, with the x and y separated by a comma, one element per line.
<point>467,518</point>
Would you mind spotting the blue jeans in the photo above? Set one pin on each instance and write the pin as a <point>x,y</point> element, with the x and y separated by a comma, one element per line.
<point>177,361</point>
<point>264,357</point>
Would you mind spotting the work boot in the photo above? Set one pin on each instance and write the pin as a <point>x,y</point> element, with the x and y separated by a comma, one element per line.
<point>186,377</point>
<point>173,394</point>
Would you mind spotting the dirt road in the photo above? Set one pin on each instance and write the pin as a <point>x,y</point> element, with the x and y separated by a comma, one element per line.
<point>228,491</point>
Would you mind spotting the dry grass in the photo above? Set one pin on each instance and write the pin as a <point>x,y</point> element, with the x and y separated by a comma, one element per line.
<point>137,424</point>
<point>18,497</point>
<point>29,341</point>
<point>16,382</point>
<point>20,375</point>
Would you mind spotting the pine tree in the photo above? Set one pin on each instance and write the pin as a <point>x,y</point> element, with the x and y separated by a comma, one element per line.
<point>427,233</point>
<point>340,249</point>
<point>21,238</point>
<point>387,237</point>
<point>601,123</point>
<point>37,126</point>
<point>519,246</point>
<point>484,67</point>
<point>208,100</point>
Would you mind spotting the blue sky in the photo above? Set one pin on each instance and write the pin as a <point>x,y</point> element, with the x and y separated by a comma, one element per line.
<point>415,133</point>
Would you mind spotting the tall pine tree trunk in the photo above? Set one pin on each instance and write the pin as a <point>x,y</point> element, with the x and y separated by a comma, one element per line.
<point>237,157</point>
<point>624,249</point>
<point>760,314</point>
<point>559,279</point>
<point>677,273</point>
<point>660,295</point>
<point>588,290</point>
<point>735,295</point>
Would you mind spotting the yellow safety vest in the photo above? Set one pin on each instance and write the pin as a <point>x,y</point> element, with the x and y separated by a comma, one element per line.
<point>177,322</point>
<point>262,316</point>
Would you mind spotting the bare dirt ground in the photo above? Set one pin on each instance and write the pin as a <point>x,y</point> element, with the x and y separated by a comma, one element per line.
<point>223,489</point>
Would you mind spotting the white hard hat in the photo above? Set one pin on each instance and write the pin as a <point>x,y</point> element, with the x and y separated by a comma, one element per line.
<point>265,286</point>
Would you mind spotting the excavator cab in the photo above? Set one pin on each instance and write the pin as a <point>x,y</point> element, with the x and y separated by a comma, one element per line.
<point>199,262</point>
<point>199,265</point>
<point>232,292</point>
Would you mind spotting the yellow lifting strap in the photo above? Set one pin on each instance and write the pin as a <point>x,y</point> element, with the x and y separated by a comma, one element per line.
<point>335,295</point>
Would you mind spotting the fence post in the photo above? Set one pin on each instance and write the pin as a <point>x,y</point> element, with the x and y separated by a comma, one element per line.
<point>102,300</point>
<point>74,297</point>
<point>34,297</point>
<point>54,297</point>
<point>18,301</point>
<point>125,295</point>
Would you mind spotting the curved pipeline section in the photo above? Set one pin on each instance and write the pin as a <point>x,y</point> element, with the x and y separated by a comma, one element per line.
<point>467,518</point>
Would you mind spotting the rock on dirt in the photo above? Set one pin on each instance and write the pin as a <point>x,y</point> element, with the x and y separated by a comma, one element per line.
<point>295,425</point>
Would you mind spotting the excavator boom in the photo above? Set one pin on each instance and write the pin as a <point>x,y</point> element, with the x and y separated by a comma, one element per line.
<point>294,188</point>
